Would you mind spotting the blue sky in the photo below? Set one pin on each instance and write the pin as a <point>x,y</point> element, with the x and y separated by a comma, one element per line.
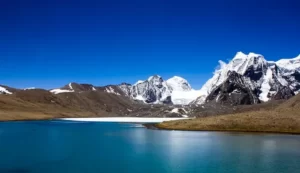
<point>50,43</point>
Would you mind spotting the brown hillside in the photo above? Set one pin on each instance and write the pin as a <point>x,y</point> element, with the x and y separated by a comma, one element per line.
<point>284,119</point>
<point>41,104</point>
<point>291,104</point>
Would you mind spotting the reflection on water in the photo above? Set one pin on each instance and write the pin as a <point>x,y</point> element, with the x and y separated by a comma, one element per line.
<point>62,147</point>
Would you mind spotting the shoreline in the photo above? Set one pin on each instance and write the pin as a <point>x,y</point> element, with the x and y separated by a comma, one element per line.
<point>162,124</point>
<point>139,120</point>
<point>252,122</point>
<point>155,126</point>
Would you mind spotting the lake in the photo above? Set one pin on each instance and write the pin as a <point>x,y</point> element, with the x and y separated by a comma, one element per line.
<point>103,147</point>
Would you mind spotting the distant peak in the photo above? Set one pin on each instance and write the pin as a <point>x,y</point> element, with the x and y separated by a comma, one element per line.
<point>124,83</point>
<point>241,55</point>
<point>178,83</point>
<point>138,82</point>
<point>252,54</point>
<point>286,60</point>
<point>153,77</point>
<point>177,78</point>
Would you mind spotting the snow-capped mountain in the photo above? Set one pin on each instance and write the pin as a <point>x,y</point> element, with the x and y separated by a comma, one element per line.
<point>181,91</point>
<point>177,83</point>
<point>153,90</point>
<point>246,79</point>
<point>175,90</point>
<point>256,74</point>
<point>290,71</point>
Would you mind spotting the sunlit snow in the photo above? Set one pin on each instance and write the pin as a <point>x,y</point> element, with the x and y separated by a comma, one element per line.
<point>124,119</point>
<point>4,90</point>
<point>58,91</point>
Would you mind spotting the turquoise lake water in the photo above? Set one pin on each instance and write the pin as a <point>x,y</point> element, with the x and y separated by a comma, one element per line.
<point>83,147</point>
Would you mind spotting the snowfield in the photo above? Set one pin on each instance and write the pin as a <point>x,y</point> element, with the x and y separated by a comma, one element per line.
<point>124,119</point>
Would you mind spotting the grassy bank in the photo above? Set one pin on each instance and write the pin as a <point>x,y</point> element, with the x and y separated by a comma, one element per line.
<point>287,121</point>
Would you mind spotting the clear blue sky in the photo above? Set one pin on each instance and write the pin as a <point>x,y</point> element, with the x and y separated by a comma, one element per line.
<point>50,43</point>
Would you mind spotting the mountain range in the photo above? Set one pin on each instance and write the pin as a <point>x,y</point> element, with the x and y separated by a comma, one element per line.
<point>245,80</point>
<point>250,77</point>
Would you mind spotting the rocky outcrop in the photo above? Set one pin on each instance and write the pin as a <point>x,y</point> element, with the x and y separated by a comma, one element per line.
<point>234,91</point>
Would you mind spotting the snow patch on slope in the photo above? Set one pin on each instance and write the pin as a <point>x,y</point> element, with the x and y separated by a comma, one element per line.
<point>265,87</point>
<point>70,86</point>
<point>111,91</point>
<point>185,97</point>
<point>59,91</point>
<point>4,90</point>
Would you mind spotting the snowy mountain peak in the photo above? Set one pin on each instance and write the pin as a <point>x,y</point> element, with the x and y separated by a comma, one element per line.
<point>259,75</point>
<point>156,81</point>
<point>252,65</point>
<point>153,90</point>
<point>239,55</point>
<point>155,77</point>
<point>241,62</point>
<point>291,64</point>
<point>182,92</point>
<point>178,84</point>
<point>139,81</point>
<point>290,71</point>
<point>175,90</point>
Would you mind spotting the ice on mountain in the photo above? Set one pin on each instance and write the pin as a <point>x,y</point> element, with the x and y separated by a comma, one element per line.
<point>177,83</point>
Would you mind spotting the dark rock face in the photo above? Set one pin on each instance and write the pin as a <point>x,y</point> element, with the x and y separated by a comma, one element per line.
<point>293,81</point>
<point>296,75</point>
<point>168,100</point>
<point>256,71</point>
<point>234,91</point>
<point>283,93</point>
<point>151,96</point>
